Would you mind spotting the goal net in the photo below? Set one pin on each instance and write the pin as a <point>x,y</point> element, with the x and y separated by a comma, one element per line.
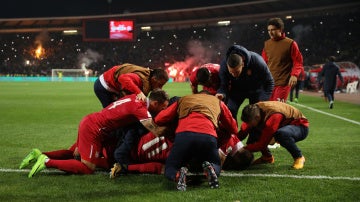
<point>70,74</point>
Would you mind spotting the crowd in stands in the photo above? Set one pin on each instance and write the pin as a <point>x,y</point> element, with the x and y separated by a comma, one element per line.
<point>317,37</point>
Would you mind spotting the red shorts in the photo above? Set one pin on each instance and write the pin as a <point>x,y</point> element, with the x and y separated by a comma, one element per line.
<point>89,141</point>
<point>280,93</point>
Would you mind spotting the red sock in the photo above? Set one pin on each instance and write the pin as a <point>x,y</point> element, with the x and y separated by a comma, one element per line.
<point>60,154</point>
<point>154,168</point>
<point>69,166</point>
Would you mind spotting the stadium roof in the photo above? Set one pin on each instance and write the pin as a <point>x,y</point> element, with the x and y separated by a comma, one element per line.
<point>180,17</point>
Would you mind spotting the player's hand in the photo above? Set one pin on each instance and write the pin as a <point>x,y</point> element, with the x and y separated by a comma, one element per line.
<point>141,96</point>
<point>292,81</point>
<point>76,154</point>
<point>219,96</point>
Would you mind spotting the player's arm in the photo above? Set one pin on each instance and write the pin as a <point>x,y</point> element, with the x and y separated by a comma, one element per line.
<point>224,82</point>
<point>227,120</point>
<point>272,124</point>
<point>153,127</point>
<point>297,59</point>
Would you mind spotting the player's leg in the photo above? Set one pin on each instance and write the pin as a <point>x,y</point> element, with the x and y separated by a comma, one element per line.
<point>287,136</point>
<point>104,96</point>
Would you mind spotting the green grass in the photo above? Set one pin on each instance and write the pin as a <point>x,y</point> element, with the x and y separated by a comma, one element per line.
<point>46,115</point>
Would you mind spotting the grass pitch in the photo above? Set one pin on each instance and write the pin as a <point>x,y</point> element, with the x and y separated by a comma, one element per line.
<point>46,115</point>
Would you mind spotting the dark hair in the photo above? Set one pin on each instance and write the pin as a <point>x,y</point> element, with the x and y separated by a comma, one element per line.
<point>249,112</point>
<point>203,75</point>
<point>159,74</point>
<point>277,22</point>
<point>234,60</point>
<point>174,99</point>
<point>332,58</point>
<point>240,160</point>
<point>159,95</point>
<point>204,92</point>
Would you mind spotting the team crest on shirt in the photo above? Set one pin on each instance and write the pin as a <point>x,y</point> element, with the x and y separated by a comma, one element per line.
<point>249,72</point>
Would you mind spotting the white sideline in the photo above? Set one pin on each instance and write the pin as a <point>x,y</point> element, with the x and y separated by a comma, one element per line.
<point>322,112</point>
<point>225,174</point>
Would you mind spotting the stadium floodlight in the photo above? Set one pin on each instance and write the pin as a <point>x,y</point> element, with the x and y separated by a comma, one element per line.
<point>224,23</point>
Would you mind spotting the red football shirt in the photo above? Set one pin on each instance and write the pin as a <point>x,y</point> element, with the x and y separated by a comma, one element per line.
<point>215,79</point>
<point>120,113</point>
<point>152,149</point>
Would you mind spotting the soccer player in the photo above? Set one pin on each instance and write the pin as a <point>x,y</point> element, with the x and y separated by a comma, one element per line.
<point>95,128</point>
<point>206,75</point>
<point>151,152</point>
<point>284,59</point>
<point>329,74</point>
<point>127,79</point>
<point>243,74</point>
<point>149,156</point>
<point>278,120</point>
<point>195,136</point>
<point>232,154</point>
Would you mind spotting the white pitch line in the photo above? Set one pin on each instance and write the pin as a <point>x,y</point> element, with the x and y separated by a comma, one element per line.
<point>226,174</point>
<point>291,176</point>
<point>333,115</point>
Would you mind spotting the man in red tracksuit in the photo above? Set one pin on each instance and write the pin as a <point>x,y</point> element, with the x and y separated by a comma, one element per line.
<point>195,136</point>
<point>128,79</point>
<point>284,59</point>
<point>278,120</point>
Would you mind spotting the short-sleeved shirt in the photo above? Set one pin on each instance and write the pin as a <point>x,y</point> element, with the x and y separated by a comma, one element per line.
<point>94,128</point>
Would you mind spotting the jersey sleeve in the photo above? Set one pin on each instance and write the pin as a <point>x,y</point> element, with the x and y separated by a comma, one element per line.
<point>140,110</point>
<point>167,115</point>
<point>227,120</point>
<point>271,126</point>
<point>130,82</point>
<point>297,60</point>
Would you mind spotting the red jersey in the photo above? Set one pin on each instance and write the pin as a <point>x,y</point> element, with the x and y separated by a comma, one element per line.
<point>94,128</point>
<point>130,81</point>
<point>120,113</point>
<point>151,149</point>
<point>231,146</point>
<point>197,122</point>
<point>214,78</point>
